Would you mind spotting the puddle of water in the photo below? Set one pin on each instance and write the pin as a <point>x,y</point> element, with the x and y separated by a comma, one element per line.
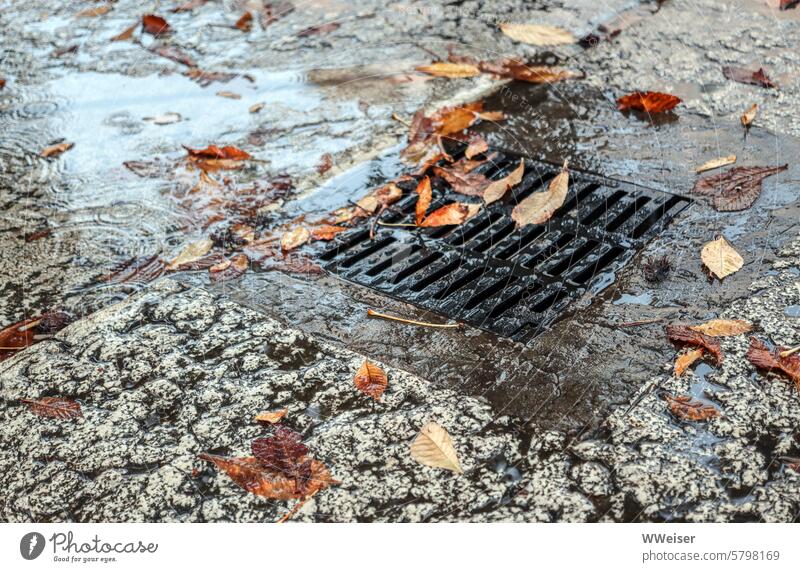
<point>644,299</point>
<point>792,311</point>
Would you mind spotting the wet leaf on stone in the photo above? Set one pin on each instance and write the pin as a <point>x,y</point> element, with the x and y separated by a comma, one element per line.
<point>245,23</point>
<point>142,269</point>
<point>748,76</point>
<point>433,447</point>
<point>293,265</point>
<point>155,25</point>
<point>721,258</point>
<point>325,163</point>
<point>17,337</point>
<point>283,451</point>
<point>424,197</point>
<point>94,12</point>
<point>541,206</point>
<point>750,115</point>
<point>520,71</point>
<point>229,94</point>
<point>272,11</point>
<point>371,380</point>
<point>173,53</point>
<point>191,252</point>
<point>326,231</point>
<point>684,334</point>
<point>126,34</point>
<point>736,189</point>
<point>164,119</point>
<point>272,417</point>
<point>785,5</point>
<point>54,407</point>
<point>188,6</point>
<point>537,35</point>
<point>325,28</point>
<point>648,102</point>
<point>722,328</point>
<point>451,214</point>
<point>256,107</point>
<point>56,150</point>
<point>688,409</point>
<point>496,190</point>
<point>450,70</point>
<point>761,356</point>
<point>686,359</point>
<point>229,269</point>
<point>716,163</point>
<point>294,238</point>
<point>213,157</point>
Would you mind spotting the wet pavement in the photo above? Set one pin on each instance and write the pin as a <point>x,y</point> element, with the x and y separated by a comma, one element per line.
<point>572,416</point>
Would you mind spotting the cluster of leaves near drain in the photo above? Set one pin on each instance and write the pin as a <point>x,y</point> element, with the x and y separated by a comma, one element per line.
<point>702,338</point>
<point>27,332</point>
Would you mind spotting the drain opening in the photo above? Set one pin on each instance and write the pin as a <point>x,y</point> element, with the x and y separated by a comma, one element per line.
<point>493,275</point>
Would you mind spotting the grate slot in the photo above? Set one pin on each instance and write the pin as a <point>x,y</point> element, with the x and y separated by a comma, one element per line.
<point>602,208</point>
<point>483,222</point>
<point>548,251</point>
<point>573,259</point>
<point>436,275</point>
<point>657,214</point>
<point>489,291</point>
<point>512,301</point>
<point>391,260</point>
<point>602,262</point>
<point>629,211</point>
<point>459,283</point>
<point>496,237</point>
<point>368,251</point>
<point>416,267</point>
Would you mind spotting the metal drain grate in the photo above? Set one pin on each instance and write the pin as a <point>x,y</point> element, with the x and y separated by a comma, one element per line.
<point>513,282</point>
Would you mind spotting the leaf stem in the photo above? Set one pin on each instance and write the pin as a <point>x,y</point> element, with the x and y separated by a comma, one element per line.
<point>374,314</point>
<point>381,223</point>
<point>400,119</point>
<point>298,505</point>
<point>787,353</point>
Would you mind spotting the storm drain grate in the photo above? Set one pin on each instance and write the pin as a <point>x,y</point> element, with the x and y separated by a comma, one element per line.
<point>488,273</point>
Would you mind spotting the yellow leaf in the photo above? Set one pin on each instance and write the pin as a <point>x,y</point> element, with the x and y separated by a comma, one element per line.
<point>749,116</point>
<point>497,189</point>
<point>721,258</point>
<point>539,207</point>
<point>537,35</point>
<point>686,359</point>
<point>716,163</point>
<point>191,252</point>
<point>272,416</point>
<point>434,447</point>
<point>722,328</point>
<point>450,70</point>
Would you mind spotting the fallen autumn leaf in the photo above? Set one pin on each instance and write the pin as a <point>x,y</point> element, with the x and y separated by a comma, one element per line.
<point>721,258</point>
<point>434,447</point>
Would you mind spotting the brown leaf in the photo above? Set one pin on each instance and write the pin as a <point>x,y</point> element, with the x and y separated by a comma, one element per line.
<point>272,417</point>
<point>206,78</point>
<point>245,23</point>
<point>229,269</point>
<point>736,189</point>
<point>762,357</point>
<point>298,236</point>
<point>293,265</point>
<point>476,147</point>
<point>750,115</point>
<point>126,34</point>
<point>229,94</point>
<point>54,407</point>
<point>449,70</point>
<point>683,407</point>
<point>143,269</point>
<point>319,29</point>
<point>191,252</point>
<point>56,150</point>
<point>188,6</point>
<point>326,231</point>
<point>93,12</point>
<point>213,157</point>
<point>686,359</point>
<point>537,35</point>
<point>424,198</point>
<point>721,258</point>
<point>649,102</point>
<point>155,25</point>
<point>520,71</point>
<point>283,451</point>
<point>684,334</point>
<point>325,163</point>
<point>540,207</point>
<point>723,328</point>
<point>716,163</point>
<point>452,214</point>
<point>497,189</point>
<point>434,447</point>
<point>371,380</point>
<point>464,183</point>
<point>173,53</point>
<point>256,107</point>
<point>2,82</point>
<point>17,337</point>
<point>272,11</point>
<point>744,75</point>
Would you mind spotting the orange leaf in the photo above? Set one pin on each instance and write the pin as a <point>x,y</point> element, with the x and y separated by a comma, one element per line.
<point>126,34</point>
<point>245,23</point>
<point>648,101</point>
<point>450,70</point>
<point>296,237</point>
<point>56,150</point>
<point>272,416</point>
<point>686,359</point>
<point>54,407</point>
<point>214,152</point>
<point>229,269</point>
<point>679,333</point>
<point>155,25</point>
<point>683,407</point>
<point>371,380</point>
<point>452,214</point>
<point>476,147</point>
<point>326,232</point>
<point>17,337</point>
<point>424,199</point>
<point>249,474</point>
<point>762,357</point>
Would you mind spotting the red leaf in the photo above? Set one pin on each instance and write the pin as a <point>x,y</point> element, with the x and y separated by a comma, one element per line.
<point>679,333</point>
<point>143,270</point>
<point>17,337</point>
<point>762,357</point>
<point>736,189</point>
<point>155,25</point>
<point>648,101</point>
<point>54,407</point>
<point>214,152</point>
<point>325,163</point>
<point>684,407</point>
<point>464,183</point>
<point>283,452</point>
<point>744,75</point>
<point>785,5</point>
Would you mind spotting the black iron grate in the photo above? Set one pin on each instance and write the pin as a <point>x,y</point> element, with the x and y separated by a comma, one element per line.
<point>486,272</point>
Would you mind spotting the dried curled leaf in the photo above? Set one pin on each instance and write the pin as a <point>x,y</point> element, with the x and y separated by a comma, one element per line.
<point>687,359</point>
<point>424,196</point>
<point>537,35</point>
<point>298,236</point>
<point>540,207</point>
<point>54,407</point>
<point>476,147</point>
<point>722,328</point>
<point>371,380</point>
<point>56,150</point>
<point>271,417</point>
<point>191,252</point>
<point>721,258</point>
<point>744,75</point>
<point>434,447</point>
<point>648,101</point>
<point>684,407</point>
<point>680,333</point>
<point>716,163</point>
<point>450,70</point>
<point>736,189</point>
<point>497,189</point>
<point>750,115</point>
<point>521,71</point>
<point>451,214</point>
<point>462,182</point>
<point>762,357</point>
<point>155,25</point>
